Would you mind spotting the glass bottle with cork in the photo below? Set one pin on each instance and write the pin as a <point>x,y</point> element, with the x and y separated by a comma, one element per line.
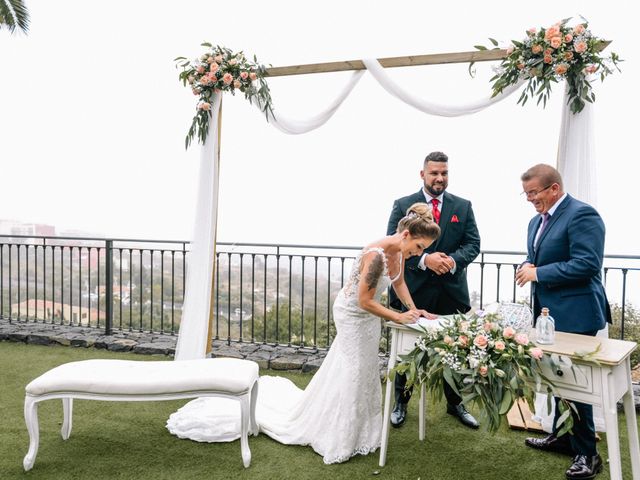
<point>545,328</point>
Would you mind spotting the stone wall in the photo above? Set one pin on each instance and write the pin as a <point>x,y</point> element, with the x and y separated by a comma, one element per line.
<point>280,357</point>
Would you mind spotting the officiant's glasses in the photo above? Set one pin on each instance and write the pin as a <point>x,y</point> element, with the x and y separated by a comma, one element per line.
<point>534,193</point>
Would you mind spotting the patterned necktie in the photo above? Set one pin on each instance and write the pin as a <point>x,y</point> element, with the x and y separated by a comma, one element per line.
<point>435,209</point>
<point>545,220</point>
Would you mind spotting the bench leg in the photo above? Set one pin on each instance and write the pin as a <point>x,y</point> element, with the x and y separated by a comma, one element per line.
<point>67,408</point>
<point>253,427</point>
<point>31,419</point>
<point>245,412</point>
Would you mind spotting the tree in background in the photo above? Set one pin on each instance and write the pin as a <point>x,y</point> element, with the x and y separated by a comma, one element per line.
<point>14,14</point>
<point>631,327</point>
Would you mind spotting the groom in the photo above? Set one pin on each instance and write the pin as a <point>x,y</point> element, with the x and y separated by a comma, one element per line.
<point>438,280</point>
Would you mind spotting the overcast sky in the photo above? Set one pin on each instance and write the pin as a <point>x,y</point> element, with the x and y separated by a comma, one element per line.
<point>93,119</point>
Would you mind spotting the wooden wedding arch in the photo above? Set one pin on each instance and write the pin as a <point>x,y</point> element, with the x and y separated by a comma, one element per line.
<point>354,65</point>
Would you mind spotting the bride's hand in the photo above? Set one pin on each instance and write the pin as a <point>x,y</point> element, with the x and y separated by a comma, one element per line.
<point>427,315</point>
<point>408,317</point>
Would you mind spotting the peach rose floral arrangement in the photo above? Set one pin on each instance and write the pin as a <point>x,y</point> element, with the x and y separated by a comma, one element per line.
<point>485,361</point>
<point>221,70</point>
<point>549,55</point>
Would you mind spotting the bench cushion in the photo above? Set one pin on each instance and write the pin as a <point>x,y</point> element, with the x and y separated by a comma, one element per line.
<point>132,377</point>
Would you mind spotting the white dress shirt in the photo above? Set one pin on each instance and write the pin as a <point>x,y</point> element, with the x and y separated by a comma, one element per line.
<point>551,211</point>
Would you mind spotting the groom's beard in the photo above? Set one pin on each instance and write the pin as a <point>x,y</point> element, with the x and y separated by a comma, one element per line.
<point>435,190</point>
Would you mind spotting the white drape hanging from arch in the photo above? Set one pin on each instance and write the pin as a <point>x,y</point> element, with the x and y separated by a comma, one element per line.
<point>576,159</point>
<point>432,108</point>
<point>197,295</point>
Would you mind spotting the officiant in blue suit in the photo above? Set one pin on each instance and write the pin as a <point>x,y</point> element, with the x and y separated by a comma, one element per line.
<point>437,280</point>
<point>565,251</point>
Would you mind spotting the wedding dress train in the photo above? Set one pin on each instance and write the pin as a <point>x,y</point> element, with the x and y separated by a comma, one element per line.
<point>338,414</point>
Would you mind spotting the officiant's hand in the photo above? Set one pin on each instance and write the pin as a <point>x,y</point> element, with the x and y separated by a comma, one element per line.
<point>438,262</point>
<point>526,273</point>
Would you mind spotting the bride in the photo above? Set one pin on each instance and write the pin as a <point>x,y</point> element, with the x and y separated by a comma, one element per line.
<point>339,413</point>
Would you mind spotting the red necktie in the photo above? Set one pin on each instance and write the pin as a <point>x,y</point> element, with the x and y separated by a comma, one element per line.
<point>434,208</point>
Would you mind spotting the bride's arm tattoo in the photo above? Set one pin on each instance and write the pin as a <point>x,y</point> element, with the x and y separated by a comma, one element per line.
<point>376,268</point>
<point>408,305</point>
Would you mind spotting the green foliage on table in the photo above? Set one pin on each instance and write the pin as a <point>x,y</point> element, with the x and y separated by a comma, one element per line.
<point>486,364</point>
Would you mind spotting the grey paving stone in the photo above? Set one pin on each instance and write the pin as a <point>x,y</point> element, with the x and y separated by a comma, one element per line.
<point>248,348</point>
<point>121,345</point>
<point>83,341</point>
<point>19,336</point>
<point>155,348</point>
<point>226,352</point>
<point>288,362</point>
<point>39,339</point>
<point>63,339</point>
<point>311,366</point>
<point>261,358</point>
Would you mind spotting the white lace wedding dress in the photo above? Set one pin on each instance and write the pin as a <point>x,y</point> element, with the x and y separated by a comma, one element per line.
<point>338,414</point>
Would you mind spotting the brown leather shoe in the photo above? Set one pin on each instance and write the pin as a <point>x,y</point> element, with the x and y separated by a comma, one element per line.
<point>551,443</point>
<point>584,467</point>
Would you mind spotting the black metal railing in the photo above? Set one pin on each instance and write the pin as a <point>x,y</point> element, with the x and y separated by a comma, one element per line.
<point>264,293</point>
<point>104,283</point>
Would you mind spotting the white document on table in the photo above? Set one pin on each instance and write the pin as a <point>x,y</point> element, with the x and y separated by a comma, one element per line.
<point>424,322</point>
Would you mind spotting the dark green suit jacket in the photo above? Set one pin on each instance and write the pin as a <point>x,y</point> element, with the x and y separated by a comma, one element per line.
<point>459,238</point>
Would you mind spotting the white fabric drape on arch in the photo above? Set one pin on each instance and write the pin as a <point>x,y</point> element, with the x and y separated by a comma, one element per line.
<point>576,159</point>
<point>574,155</point>
<point>378,72</point>
<point>297,127</point>
<point>197,296</point>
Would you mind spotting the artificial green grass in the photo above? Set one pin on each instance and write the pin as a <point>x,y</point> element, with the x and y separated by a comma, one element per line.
<point>128,440</point>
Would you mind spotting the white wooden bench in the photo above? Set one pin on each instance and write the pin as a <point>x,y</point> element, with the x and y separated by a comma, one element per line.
<point>126,381</point>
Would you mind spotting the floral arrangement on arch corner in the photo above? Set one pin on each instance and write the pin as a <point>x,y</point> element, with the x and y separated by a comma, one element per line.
<point>485,362</point>
<point>221,70</point>
<point>549,55</point>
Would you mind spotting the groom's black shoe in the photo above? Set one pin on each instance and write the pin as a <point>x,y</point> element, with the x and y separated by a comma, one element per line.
<point>463,415</point>
<point>551,443</point>
<point>584,467</point>
<point>399,415</point>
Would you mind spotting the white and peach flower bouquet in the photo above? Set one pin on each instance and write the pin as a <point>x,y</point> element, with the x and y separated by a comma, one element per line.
<point>485,360</point>
<point>221,70</point>
<point>549,55</point>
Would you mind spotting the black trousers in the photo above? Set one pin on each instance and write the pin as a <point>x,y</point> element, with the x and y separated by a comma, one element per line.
<point>583,440</point>
<point>435,301</point>
<point>403,396</point>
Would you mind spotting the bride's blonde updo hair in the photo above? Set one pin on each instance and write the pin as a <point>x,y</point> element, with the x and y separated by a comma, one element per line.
<point>419,222</point>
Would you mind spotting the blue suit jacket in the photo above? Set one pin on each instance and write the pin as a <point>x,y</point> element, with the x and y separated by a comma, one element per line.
<point>569,259</point>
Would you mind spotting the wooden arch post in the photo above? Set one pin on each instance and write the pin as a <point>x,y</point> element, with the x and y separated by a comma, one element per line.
<point>212,304</point>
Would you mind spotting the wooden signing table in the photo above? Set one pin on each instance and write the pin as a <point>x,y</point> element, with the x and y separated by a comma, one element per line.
<point>600,385</point>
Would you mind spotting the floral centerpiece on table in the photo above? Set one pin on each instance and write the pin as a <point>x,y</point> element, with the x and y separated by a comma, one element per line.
<point>221,70</point>
<point>484,362</point>
<point>548,55</point>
